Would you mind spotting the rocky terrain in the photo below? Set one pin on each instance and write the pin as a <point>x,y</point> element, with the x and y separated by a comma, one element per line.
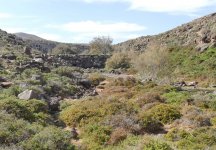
<point>153,93</point>
<point>26,36</point>
<point>200,33</point>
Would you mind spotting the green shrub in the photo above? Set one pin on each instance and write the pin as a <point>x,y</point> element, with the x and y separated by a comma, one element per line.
<point>98,133</point>
<point>96,78</point>
<point>118,135</point>
<point>32,110</point>
<point>150,124</point>
<point>60,85</point>
<point>156,145</point>
<point>14,107</point>
<point>50,138</point>
<point>118,60</point>
<point>176,135</point>
<point>200,138</point>
<point>175,97</point>
<point>213,121</point>
<point>89,111</point>
<point>11,91</point>
<point>67,71</point>
<point>83,113</point>
<point>129,82</point>
<point>14,131</point>
<point>163,112</point>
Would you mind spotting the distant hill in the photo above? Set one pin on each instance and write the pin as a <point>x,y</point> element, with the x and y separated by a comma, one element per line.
<point>46,46</point>
<point>26,36</point>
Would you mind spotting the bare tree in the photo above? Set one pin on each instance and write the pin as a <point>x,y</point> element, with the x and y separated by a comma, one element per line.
<point>101,45</point>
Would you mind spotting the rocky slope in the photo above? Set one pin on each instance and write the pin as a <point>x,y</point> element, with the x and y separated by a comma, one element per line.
<point>46,46</point>
<point>26,36</point>
<point>200,33</point>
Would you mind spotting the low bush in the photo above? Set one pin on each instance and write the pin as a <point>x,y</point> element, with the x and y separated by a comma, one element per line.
<point>128,81</point>
<point>98,133</point>
<point>150,124</point>
<point>96,78</point>
<point>175,97</point>
<point>164,113</point>
<point>49,138</point>
<point>201,138</point>
<point>149,97</point>
<point>118,135</point>
<point>32,110</point>
<point>156,145</point>
<point>13,106</point>
<point>119,60</point>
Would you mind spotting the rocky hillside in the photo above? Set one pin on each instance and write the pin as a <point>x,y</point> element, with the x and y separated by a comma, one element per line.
<point>26,36</point>
<point>46,46</point>
<point>200,33</point>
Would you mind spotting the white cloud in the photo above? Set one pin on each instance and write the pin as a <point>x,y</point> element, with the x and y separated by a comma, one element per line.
<point>176,6</point>
<point>167,6</point>
<point>49,36</point>
<point>84,31</point>
<point>86,37</point>
<point>100,27</point>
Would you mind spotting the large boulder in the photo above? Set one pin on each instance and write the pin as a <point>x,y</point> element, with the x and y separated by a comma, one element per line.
<point>28,94</point>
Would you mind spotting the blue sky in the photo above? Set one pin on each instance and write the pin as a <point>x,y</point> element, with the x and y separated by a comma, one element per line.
<point>80,20</point>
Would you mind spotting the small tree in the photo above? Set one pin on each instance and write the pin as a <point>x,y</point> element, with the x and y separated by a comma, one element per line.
<point>101,45</point>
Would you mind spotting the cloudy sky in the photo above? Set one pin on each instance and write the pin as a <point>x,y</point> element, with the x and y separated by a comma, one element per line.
<point>80,20</point>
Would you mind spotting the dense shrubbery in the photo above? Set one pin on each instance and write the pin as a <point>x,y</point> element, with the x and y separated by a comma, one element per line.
<point>49,138</point>
<point>201,138</point>
<point>163,112</point>
<point>175,97</point>
<point>31,135</point>
<point>156,145</point>
<point>33,110</point>
<point>119,60</point>
<point>96,78</point>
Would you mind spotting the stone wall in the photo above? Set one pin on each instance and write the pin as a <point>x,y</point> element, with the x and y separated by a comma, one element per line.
<point>50,61</point>
<point>83,61</point>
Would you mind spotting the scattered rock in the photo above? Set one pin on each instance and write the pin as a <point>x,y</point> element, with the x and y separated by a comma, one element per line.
<point>179,84</point>
<point>6,84</point>
<point>28,94</point>
<point>202,47</point>
<point>39,60</point>
<point>36,77</point>
<point>192,83</point>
